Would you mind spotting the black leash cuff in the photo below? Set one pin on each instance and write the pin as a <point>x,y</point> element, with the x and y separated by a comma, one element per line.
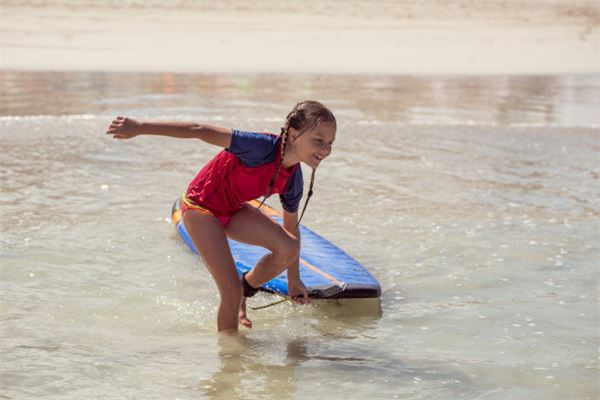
<point>249,291</point>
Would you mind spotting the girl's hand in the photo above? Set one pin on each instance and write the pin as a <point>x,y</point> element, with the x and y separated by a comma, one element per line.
<point>124,128</point>
<point>297,291</point>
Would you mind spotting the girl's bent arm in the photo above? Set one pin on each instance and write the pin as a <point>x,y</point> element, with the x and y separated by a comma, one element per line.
<point>290,220</point>
<point>296,289</point>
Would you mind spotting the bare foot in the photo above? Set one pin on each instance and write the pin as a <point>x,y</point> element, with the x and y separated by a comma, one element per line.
<point>242,316</point>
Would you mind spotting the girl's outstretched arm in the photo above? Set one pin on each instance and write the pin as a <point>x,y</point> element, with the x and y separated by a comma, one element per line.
<point>127,128</point>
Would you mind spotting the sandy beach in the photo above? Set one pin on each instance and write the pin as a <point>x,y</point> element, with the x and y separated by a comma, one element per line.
<point>350,37</point>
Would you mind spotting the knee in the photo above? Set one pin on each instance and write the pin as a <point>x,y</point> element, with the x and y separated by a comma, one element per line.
<point>288,252</point>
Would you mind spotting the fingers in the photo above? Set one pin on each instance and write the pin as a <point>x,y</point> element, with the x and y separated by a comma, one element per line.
<point>304,299</point>
<point>115,125</point>
<point>301,298</point>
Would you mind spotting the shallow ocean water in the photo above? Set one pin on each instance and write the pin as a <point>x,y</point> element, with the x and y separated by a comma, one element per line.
<point>474,201</point>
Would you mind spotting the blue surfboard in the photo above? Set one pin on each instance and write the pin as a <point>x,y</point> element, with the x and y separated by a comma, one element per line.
<point>326,270</point>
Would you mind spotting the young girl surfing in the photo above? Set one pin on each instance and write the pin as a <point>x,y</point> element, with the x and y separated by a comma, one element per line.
<point>252,165</point>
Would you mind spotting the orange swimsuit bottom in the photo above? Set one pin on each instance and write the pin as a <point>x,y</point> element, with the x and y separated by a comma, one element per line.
<point>187,204</point>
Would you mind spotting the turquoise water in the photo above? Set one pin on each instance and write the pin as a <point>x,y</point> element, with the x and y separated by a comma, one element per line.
<point>474,201</point>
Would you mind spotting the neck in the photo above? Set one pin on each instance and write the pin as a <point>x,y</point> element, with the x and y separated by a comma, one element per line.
<point>289,159</point>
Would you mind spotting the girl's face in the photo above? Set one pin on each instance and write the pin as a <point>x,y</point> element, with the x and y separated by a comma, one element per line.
<point>314,145</point>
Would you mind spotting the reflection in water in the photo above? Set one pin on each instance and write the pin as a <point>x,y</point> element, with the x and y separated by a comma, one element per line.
<point>245,374</point>
<point>494,100</point>
<point>247,366</point>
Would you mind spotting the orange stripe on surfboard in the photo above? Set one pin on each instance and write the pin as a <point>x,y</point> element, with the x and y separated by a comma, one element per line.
<point>324,274</point>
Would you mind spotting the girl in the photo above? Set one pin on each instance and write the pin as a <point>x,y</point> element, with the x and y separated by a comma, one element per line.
<point>250,166</point>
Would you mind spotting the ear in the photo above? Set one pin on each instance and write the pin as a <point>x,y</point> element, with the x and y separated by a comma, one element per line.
<point>292,135</point>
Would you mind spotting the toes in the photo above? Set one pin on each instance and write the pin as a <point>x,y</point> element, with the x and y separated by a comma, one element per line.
<point>246,322</point>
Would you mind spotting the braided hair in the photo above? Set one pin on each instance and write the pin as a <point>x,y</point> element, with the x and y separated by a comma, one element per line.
<point>304,116</point>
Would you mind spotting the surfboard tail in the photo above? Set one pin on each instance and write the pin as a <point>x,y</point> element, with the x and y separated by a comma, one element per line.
<point>347,291</point>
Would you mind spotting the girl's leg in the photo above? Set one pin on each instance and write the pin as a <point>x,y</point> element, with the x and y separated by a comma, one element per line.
<point>249,226</point>
<point>208,235</point>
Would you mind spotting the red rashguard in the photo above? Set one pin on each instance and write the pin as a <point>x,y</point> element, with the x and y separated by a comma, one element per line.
<point>242,173</point>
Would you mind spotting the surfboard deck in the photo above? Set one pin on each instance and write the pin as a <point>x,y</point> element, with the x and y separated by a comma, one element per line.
<point>326,270</point>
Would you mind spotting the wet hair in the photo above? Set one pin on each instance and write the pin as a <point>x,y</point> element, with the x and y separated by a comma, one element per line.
<point>304,116</point>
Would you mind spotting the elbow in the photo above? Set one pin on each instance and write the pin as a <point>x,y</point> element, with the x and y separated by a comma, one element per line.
<point>198,130</point>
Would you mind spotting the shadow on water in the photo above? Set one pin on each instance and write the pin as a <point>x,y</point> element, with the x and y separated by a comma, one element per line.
<point>271,368</point>
<point>350,309</point>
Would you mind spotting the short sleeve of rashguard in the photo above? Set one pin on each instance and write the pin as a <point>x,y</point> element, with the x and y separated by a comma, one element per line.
<point>290,199</point>
<point>253,148</point>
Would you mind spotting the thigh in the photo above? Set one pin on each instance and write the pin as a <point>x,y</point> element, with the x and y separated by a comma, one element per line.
<point>210,239</point>
<point>253,227</point>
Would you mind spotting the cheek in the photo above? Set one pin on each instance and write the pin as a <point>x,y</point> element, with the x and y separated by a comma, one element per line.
<point>307,149</point>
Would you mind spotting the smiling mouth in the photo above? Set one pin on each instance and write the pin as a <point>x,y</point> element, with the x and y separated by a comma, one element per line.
<point>318,158</point>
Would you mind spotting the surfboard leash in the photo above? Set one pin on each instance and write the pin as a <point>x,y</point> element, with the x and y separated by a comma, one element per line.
<point>270,304</point>
<point>322,293</point>
<point>284,299</point>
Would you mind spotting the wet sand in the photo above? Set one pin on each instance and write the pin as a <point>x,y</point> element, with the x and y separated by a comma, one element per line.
<point>498,37</point>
